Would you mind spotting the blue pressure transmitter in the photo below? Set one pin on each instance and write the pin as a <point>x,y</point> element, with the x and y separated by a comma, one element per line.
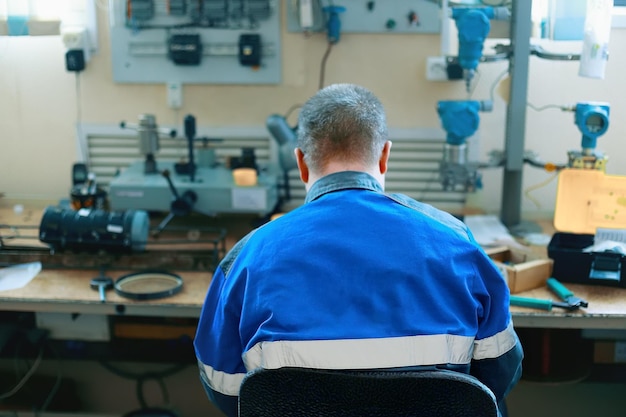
<point>460,120</point>
<point>592,119</point>
<point>473,27</point>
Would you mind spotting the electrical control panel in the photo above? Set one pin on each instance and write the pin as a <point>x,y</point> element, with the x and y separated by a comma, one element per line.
<point>196,41</point>
<point>366,16</point>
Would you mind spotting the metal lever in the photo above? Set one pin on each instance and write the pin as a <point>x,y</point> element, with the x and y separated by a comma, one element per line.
<point>101,283</point>
<point>180,206</point>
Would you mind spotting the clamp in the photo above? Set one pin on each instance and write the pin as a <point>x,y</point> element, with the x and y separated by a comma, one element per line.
<point>569,300</point>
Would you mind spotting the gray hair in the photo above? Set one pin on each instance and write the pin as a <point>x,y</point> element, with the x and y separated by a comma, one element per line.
<point>342,121</point>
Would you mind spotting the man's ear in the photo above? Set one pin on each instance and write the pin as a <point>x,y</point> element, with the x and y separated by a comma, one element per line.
<point>302,166</point>
<point>384,157</point>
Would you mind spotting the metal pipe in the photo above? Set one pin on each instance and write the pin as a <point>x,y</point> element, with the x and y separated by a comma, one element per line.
<point>521,23</point>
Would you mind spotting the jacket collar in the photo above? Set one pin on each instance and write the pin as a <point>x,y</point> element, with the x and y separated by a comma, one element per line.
<point>342,181</point>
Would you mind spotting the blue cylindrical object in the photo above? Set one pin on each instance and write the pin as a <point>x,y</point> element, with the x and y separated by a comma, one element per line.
<point>333,25</point>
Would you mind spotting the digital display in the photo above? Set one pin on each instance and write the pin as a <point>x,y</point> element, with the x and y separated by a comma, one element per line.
<point>595,123</point>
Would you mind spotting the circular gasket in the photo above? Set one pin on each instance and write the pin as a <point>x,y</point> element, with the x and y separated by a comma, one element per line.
<point>148,285</point>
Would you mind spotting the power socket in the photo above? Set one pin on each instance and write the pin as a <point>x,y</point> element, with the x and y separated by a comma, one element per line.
<point>73,38</point>
<point>76,38</point>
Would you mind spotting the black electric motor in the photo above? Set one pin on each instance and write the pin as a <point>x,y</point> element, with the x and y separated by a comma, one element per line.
<point>94,230</point>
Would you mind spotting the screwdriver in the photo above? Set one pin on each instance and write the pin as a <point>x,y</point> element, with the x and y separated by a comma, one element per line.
<point>539,303</point>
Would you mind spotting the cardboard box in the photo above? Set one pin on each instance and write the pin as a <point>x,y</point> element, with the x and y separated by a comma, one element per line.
<point>522,270</point>
<point>609,351</point>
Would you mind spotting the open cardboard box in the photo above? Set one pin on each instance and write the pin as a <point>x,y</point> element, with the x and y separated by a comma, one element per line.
<point>522,270</point>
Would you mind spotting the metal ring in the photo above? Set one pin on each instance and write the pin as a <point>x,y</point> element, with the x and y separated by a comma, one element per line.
<point>148,285</point>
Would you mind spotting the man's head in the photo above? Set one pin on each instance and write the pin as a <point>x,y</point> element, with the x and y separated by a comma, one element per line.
<point>342,128</point>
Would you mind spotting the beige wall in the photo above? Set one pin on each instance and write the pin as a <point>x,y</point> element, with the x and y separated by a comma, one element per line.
<point>39,99</point>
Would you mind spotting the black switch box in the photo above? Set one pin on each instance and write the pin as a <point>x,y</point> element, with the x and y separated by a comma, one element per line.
<point>250,50</point>
<point>185,49</point>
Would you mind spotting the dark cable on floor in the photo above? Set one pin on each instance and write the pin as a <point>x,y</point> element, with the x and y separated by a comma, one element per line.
<point>140,387</point>
<point>25,377</point>
<point>141,378</point>
<point>57,383</point>
<point>30,371</point>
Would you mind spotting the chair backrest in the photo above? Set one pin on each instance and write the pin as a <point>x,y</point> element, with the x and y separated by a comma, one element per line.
<point>299,392</point>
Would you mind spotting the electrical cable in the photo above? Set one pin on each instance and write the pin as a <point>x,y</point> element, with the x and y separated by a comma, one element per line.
<point>323,64</point>
<point>547,106</point>
<point>30,371</point>
<point>541,184</point>
<point>140,379</point>
<point>55,387</point>
<point>291,110</point>
<point>495,83</point>
<point>130,375</point>
<point>26,377</point>
<point>140,387</point>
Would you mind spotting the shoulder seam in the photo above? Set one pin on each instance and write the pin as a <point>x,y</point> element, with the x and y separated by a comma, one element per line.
<point>230,257</point>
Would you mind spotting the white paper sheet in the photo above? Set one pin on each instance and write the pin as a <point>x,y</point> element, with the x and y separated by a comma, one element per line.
<point>488,230</point>
<point>17,276</point>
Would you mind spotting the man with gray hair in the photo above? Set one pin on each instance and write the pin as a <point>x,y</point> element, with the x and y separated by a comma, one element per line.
<point>355,278</point>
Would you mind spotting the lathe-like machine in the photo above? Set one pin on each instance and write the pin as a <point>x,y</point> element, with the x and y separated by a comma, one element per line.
<point>199,184</point>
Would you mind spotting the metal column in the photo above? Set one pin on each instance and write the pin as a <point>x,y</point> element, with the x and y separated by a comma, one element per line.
<point>510,211</point>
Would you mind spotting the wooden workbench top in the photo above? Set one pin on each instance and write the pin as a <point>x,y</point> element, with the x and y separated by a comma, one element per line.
<point>69,290</point>
<point>603,301</point>
<point>73,286</point>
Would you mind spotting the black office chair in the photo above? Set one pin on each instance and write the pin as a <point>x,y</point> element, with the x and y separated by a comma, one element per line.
<point>299,392</point>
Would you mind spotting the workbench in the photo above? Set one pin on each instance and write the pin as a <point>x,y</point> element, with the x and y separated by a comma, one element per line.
<point>68,290</point>
<point>152,333</point>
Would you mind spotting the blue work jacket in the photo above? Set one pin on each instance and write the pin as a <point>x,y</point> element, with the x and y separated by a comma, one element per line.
<point>356,279</point>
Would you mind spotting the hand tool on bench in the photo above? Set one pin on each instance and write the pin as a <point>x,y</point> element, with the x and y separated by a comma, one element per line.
<point>570,301</point>
<point>102,283</point>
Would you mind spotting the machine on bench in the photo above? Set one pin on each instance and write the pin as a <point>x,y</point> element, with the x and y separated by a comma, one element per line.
<point>200,184</point>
